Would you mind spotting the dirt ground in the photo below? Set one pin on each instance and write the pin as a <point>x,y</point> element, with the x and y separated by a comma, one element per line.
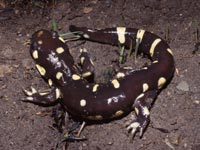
<point>25,126</point>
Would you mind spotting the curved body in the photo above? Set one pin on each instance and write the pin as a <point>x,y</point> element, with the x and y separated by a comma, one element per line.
<point>130,90</point>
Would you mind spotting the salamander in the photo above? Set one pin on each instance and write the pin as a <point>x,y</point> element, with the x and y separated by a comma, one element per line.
<point>131,89</point>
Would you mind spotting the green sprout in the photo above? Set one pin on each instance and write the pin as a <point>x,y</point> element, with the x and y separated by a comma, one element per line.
<point>196,36</point>
<point>54,25</point>
<point>121,55</point>
<point>138,41</point>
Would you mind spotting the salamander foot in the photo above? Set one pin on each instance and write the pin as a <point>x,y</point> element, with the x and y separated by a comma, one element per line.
<point>142,107</point>
<point>45,98</point>
<point>138,126</point>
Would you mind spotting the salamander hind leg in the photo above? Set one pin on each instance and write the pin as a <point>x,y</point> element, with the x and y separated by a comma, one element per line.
<point>142,107</point>
<point>42,98</point>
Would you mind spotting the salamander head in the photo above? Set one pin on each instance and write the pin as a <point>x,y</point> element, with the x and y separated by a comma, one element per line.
<point>51,55</point>
<point>45,42</point>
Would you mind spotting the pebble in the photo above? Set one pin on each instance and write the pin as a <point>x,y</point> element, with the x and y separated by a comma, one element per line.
<point>110,143</point>
<point>183,86</point>
<point>197,102</point>
<point>84,144</point>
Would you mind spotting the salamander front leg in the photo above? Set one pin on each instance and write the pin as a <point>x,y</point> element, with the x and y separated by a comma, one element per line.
<point>142,107</point>
<point>42,98</point>
<point>86,65</point>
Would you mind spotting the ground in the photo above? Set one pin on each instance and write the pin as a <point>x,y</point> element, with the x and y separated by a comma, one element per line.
<point>25,126</point>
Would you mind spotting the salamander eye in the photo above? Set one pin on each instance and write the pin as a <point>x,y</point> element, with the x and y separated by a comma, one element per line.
<point>34,45</point>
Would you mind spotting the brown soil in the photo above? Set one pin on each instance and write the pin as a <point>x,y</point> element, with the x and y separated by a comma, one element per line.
<point>25,126</point>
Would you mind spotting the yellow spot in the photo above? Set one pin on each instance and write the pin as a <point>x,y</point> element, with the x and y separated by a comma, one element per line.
<point>140,34</point>
<point>40,33</point>
<point>153,46</point>
<point>97,117</point>
<point>121,34</point>
<point>86,74</point>
<point>145,87</point>
<point>128,68</point>
<point>59,75</point>
<point>82,103</point>
<point>83,50</point>
<point>91,62</point>
<point>120,75</point>
<point>154,62</point>
<point>76,77</point>
<point>161,82</point>
<point>118,113</point>
<point>35,54</point>
<point>145,68</point>
<point>41,70</point>
<point>43,93</point>
<point>170,51</point>
<point>60,50</point>
<point>86,36</point>
<point>40,42</point>
<point>61,39</point>
<point>82,59</point>
<point>58,94</point>
<point>95,87</point>
<point>136,111</point>
<point>146,111</point>
<point>140,96</point>
<point>50,82</point>
<point>115,83</point>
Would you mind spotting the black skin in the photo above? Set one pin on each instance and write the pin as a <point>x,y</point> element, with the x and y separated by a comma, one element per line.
<point>110,100</point>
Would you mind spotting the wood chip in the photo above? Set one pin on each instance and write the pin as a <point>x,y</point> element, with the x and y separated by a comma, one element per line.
<point>87,10</point>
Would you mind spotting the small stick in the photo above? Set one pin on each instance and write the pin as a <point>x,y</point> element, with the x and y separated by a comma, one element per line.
<point>81,128</point>
<point>167,34</point>
<point>130,49</point>
<point>196,33</point>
